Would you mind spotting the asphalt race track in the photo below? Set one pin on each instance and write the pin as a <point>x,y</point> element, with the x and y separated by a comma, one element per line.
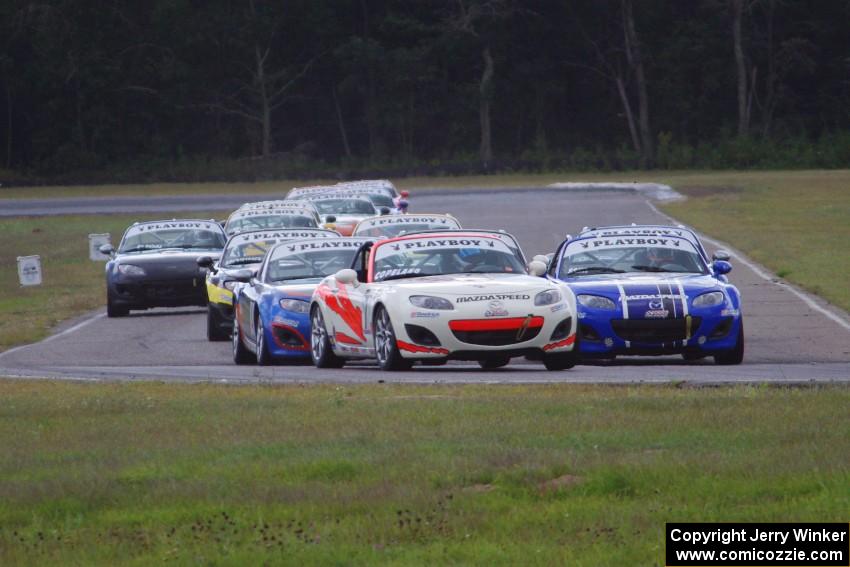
<point>790,337</point>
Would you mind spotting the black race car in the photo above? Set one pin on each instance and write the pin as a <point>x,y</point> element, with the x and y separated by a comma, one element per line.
<point>156,265</point>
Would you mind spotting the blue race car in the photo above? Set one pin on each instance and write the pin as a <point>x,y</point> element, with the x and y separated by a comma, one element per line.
<point>272,305</point>
<point>650,293</point>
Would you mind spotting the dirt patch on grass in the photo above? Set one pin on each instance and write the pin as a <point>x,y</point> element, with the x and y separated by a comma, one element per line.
<point>709,191</point>
<point>563,481</point>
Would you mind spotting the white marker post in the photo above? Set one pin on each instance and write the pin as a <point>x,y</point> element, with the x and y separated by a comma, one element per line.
<point>95,242</point>
<point>29,270</point>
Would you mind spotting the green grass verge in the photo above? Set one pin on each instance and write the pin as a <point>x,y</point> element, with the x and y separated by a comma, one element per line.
<point>492,475</point>
<point>795,223</point>
<point>73,284</point>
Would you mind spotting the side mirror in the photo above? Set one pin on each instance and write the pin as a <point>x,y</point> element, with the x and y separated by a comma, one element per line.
<point>244,275</point>
<point>330,219</point>
<point>205,262</point>
<point>721,255</point>
<point>106,249</point>
<point>385,211</point>
<point>536,268</point>
<point>346,276</point>
<point>721,267</point>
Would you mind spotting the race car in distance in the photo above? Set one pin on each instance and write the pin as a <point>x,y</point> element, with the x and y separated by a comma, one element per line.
<point>272,310</point>
<point>156,265</point>
<point>390,226</point>
<point>342,212</point>
<point>443,295</point>
<point>268,217</point>
<point>242,251</point>
<point>650,294</point>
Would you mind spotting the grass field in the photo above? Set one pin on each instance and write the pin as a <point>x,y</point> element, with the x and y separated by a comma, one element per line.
<point>491,475</point>
<point>73,284</point>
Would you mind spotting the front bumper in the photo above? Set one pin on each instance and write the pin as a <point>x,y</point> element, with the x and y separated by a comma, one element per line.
<point>605,335</point>
<point>470,334</point>
<point>287,334</point>
<point>144,293</point>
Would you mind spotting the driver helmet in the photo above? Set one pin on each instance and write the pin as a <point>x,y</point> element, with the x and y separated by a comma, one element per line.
<point>659,256</point>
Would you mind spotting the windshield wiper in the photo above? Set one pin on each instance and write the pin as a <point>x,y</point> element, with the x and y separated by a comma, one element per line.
<point>139,249</point>
<point>243,261</point>
<point>314,276</point>
<point>654,269</point>
<point>401,276</point>
<point>599,269</point>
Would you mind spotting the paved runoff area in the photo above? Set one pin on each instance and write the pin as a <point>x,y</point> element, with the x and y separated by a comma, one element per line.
<point>790,337</point>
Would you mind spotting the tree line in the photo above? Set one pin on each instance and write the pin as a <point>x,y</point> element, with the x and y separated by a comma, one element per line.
<point>223,87</point>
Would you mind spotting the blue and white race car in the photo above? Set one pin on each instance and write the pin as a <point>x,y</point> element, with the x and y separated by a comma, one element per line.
<point>650,294</point>
<point>272,306</point>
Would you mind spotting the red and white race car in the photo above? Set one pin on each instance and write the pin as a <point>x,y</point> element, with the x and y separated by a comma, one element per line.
<point>438,296</point>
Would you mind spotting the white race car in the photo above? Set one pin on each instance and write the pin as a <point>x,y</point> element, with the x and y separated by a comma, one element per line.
<point>444,295</point>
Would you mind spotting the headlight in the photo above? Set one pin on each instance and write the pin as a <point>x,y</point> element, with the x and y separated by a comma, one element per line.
<point>547,297</point>
<point>709,299</point>
<point>295,305</point>
<point>130,270</point>
<point>596,302</point>
<point>430,302</point>
<point>230,285</point>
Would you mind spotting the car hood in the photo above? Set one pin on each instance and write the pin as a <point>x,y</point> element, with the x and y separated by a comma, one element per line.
<point>168,262</point>
<point>478,286</point>
<point>297,291</point>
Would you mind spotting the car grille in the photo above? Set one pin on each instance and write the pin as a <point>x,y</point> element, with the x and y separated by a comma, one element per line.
<point>496,332</point>
<point>654,330</point>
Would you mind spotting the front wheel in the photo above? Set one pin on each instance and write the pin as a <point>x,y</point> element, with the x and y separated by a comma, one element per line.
<point>562,360</point>
<point>113,310</point>
<point>320,343</point>
<point>214,331</point>
<point>264,357</point>
<point>735,355</point>
<point>241,355</point>
<point>386,346</point>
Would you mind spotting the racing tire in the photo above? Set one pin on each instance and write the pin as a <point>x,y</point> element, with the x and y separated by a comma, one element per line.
<point>264,357</point>
<point>734,355</point>
<point>320,343</point>
<point>692,356</point>
<point>494,362</point>
<point>386,345</point>
<point>241,355</point>
<point>562,360</point>
<point>113,310</point>
<point>214,330</point>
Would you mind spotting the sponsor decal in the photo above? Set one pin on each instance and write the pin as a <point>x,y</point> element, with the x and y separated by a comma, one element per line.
<point>730,312</point>
<point>656,304</point>
<point>396,272</point>
<point>281,235</point>
<point>558,307</point>
<point>156,226</point>
<point>405,219</point>
<point>423,315</point>
<point>331,243</point>
<point>284,321</point>
<point>657,314</point>
<point>402,345</point>
<point>609,242</point>
<point>637,232</point>
<point>560,344</point>
<point>496,308</point>
<point>494,297</point>
<point>341,304</point>
<point>653,296</point>
<point>269,213</point>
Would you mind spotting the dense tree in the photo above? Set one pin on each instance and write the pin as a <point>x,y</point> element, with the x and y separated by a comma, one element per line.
<point>168,86</point>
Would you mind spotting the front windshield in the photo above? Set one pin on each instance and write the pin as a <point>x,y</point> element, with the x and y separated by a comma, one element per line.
<point>309,264</point>
<point>344,207</point>
<point>444,255</point>
<point>393,230</point>
<point>246,253</point>
<point>143,239</point>
<point>381,200</point>
<point>617,255</point>
<point>271,221</point>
